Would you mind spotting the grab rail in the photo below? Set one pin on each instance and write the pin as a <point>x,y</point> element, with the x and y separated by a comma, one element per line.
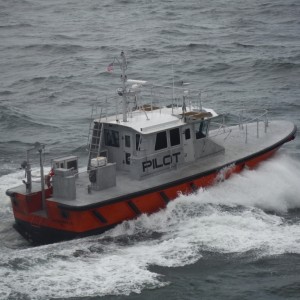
<point>242,122</point>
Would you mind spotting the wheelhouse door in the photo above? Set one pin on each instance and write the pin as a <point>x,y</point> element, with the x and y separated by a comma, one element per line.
<point>128,149</point>
<point>188,144</point>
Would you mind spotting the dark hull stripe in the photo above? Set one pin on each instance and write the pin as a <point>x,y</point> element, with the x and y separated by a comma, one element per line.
<point>134,208</point>
<point>99,217</point>
<point>193,186</point>
<point>164,197</point>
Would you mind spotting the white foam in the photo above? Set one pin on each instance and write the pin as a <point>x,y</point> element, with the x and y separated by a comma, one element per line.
<point>273,186</point>
<point>227,218</point>
<point>12,180</point>
<point>53,271</point>
<point>8,181</point>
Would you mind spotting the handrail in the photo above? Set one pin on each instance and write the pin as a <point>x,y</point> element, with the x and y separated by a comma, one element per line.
<point>263,115</point>
<point>242,119</point>
<point>156,95</point>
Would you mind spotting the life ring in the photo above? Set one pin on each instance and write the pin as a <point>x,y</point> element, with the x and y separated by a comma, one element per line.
<point>48,178</point>
<point>93,176</point>
<point>51,172</point>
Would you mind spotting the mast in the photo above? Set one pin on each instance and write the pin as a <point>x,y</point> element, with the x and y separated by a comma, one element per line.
<point>124,79</point>
<point>26,165</point>
<point>40,149</point>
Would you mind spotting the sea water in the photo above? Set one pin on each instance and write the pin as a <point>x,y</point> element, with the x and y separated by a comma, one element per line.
<point>239,239</point>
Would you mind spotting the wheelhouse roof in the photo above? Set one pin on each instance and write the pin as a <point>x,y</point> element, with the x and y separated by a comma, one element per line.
<point>146,122</point>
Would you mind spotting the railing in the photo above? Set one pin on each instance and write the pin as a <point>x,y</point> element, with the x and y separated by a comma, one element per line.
<point>242,121</point>
<point>262,117</point>
<point>155,96</point>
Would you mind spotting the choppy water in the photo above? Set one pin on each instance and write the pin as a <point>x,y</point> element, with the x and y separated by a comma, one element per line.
<point>237,240</point>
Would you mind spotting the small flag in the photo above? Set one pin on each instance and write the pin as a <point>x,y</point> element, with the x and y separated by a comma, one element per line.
<point>110,67</point>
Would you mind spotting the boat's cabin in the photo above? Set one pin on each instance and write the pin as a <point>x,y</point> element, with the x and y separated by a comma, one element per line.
<point>145,146</point>
<point>150,136</point>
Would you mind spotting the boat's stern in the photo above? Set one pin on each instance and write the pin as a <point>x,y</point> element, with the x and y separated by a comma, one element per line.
<point>27,205</point>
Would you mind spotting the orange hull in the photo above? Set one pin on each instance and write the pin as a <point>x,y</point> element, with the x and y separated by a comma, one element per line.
<point>66,222</point>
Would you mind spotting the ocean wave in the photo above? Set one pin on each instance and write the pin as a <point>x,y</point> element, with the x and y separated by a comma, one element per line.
<point>125,1</point>
<point>272,5</point>
<point>16,3</point>
<point>55,48</point>
<point>205,48</point>
<point>149,52</point>
<point>16,143</point>
<point>81,150</point>
<point>266,46</point>
<point>282,63</point>
<point>213,68</point>
<point>64,37</point>
<point>15,26</point>
<point>244,45</point>
<point>51,79</point>
<point>201,46</point>
<point>13,118</point>
<point>170,32</point>
<point>6,93</point>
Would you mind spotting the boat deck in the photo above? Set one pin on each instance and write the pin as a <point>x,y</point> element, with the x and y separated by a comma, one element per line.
<point>237,149</point>
<point>235,143</point>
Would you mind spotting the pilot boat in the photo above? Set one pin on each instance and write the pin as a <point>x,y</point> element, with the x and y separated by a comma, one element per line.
<point>162,142</point>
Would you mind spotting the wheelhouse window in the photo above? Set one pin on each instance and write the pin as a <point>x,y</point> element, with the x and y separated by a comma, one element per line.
<point>187,134</point>
<point>201,129</point>
<point>174,137</point>
<point>161,140</point>
<point>127,141</point>
<point>111,138</point>
<point>72,164</point>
